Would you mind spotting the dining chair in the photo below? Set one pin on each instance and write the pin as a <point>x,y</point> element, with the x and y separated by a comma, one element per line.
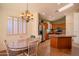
<point>33,47</point>
<point>15,50</point>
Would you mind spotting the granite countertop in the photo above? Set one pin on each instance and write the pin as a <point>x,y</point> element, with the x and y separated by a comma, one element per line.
<point>61,35</point>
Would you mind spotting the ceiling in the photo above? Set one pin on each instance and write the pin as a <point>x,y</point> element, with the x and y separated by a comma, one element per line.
<point>48,10</point>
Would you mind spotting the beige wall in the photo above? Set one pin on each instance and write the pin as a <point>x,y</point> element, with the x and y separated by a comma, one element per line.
<point>76,27</point>
<point>0,26</point>
<point>72,26</point>
<point>15,10</point>
<point>69,24</point>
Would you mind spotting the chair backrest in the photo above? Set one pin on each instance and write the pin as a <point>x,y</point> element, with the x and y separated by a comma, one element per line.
<point>32,46</point>
<point>16,43</point>
<point>7,48</point>
<point>10,49</point>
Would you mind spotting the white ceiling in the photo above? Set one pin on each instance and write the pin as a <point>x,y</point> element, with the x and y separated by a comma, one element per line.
<point>48,10</point>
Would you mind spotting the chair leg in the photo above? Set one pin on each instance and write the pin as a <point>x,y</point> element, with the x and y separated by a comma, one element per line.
<point>7,53</point>
<point>26,54</point>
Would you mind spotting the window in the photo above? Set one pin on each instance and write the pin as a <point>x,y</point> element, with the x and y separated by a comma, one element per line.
<point>20,26</point>
<point>10,25</point>
<point>16,25</point>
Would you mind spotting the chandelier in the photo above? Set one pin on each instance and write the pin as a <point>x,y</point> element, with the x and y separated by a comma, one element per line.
<point>27,15</point>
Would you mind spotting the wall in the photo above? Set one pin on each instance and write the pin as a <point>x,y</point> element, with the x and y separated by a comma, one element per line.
<point>15,10</point>
<point>0,27</point>
<point>59,21</point>
<point>76,27</point>
<point>32,26</point>
<point>72,26</point>
<point>69,24</point>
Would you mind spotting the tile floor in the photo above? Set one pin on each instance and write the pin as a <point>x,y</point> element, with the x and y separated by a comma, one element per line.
<point>44,49</point>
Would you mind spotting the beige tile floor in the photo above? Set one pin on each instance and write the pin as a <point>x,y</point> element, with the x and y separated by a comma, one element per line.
<point>46,50</point>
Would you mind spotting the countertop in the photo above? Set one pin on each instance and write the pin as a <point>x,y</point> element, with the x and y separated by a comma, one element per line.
<point>61,35</point>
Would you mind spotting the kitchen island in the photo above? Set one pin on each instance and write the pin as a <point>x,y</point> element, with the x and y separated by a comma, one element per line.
<point>61,41</point>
